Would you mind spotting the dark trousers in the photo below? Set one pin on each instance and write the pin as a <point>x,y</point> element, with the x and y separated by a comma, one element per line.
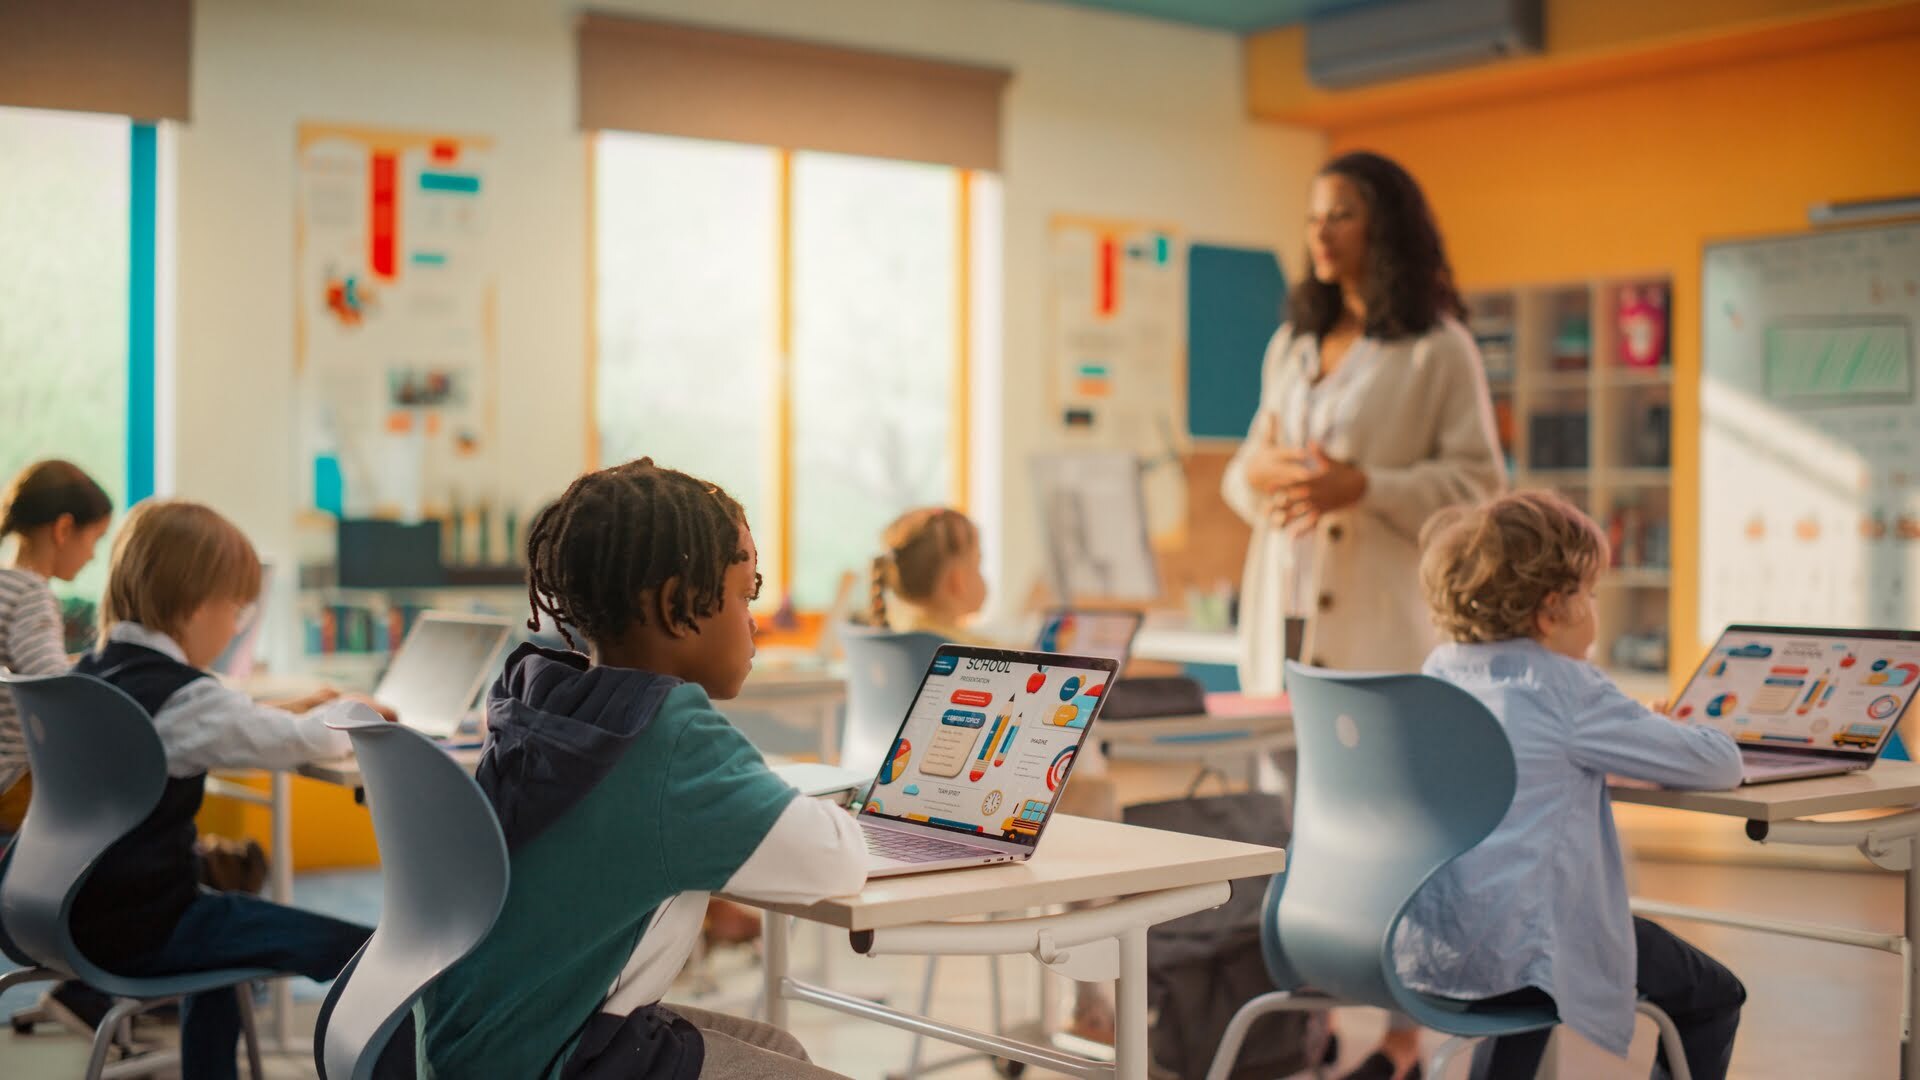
<point>235,930</point>
<point>1701,996</point>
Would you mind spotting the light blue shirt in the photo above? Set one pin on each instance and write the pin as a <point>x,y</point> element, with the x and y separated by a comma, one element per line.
<point>1542,901</point>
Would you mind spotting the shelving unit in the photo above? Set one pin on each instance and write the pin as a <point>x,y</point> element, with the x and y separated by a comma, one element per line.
<point>1576,417</point>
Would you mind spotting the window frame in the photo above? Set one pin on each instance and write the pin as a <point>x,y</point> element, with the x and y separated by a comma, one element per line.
<point>963,472</point>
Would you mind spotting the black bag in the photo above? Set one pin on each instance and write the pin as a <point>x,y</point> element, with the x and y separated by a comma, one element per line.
<point>1201,968</point>
<point>1154,695</point>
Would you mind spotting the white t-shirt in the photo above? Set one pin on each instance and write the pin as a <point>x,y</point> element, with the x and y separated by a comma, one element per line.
<point>31,643</point>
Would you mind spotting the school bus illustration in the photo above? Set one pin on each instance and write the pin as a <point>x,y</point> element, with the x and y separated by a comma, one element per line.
<point>1861,735</point>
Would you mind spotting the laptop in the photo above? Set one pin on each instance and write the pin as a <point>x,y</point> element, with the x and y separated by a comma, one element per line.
<point>440,669</point>
<point>235,663</point>
<point>1804,701</point>
<point>1090,633</point>
<point>981,758</point>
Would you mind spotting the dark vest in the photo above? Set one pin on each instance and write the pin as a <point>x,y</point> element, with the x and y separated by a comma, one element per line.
<point>139,889</point>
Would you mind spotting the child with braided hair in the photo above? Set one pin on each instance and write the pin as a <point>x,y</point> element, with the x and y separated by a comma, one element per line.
<point>626,799</point>
<point>930,563</point>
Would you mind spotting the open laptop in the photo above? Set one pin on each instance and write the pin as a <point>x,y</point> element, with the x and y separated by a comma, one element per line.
<point>981,758</point>
<point>1804,701</point>
<point>441,668</point>
<point>235,664</point>
<point>1090,633</point>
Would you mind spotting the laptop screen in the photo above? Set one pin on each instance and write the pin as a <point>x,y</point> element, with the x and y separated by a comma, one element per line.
<point>989,741</point>
<point>1089,633</point>
<point>440,668</point>
<point>1837,692</point>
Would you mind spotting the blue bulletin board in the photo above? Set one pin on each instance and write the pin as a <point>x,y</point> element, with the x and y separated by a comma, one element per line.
<point>1235,299</point>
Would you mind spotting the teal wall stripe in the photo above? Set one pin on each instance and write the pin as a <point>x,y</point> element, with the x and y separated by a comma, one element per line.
<point>140,312</point>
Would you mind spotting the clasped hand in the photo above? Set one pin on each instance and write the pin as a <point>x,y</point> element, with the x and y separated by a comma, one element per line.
<point>1302,485</point>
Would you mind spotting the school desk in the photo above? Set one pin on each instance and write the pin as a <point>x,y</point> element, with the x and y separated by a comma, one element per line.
<point>1779,814</point>
<point>1150,875</point>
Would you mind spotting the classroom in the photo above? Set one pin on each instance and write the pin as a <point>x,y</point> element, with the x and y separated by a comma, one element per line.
<point>1192,539</point>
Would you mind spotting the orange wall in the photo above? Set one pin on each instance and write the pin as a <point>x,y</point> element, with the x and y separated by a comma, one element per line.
<point>1636,177</point>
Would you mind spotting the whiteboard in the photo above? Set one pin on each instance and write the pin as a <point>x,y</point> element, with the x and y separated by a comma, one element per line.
<point>1094,517</point>
<point>1810,431</point>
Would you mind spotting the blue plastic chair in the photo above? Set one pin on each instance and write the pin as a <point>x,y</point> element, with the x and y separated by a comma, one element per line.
<point>884,670</point>
<point>443,876</point>
<point>1399,776</point>
<point>98,771</point>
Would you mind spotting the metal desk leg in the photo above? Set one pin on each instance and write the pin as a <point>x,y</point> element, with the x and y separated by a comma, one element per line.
<point>281,810</point>
<point>1130,1008</point>
<point>825,715</point>
<point>773,931</point>
<point>1909,1046</point>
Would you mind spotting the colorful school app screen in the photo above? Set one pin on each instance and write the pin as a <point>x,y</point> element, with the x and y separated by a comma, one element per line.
<point>988,745</point>
<point>1088,633</point>
<point>1790,690</point>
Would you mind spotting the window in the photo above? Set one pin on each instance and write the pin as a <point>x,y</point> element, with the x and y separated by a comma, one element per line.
<point>796,327</point>
<point>67,292</point>
<point>687,308</point>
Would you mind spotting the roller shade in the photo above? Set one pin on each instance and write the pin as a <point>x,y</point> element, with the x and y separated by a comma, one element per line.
<point>130,57</point>
<point>673,79</point>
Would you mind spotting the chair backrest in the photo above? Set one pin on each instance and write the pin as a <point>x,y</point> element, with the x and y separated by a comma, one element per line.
<point>443,873</point>
<point>884,670</point>
<point>1399,775</point>
<point>98,771</point>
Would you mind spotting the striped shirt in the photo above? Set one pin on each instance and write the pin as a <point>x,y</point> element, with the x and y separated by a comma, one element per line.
<point>31,643</point>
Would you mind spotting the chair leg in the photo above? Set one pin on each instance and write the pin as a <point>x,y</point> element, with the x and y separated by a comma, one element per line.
<point>250,1031</point>
<point>103,1035</point>
<point>994,995</point>
<point>1236,1034</point>
<point>1550,1058</point>
<point>1443,1057</point>
<point>926,1009</point>
<point>1669,1039</point>
<point>23,976</point>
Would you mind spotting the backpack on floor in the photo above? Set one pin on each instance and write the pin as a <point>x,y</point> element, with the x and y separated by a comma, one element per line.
<point>1202,967</point>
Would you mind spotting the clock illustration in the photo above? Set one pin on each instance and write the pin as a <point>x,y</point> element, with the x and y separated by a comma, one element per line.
<point>992,803</point>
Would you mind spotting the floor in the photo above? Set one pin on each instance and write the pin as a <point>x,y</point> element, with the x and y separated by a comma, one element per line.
<point>1814,1010</point>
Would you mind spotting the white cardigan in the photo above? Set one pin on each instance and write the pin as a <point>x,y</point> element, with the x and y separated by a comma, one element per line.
<point>1423,432</point>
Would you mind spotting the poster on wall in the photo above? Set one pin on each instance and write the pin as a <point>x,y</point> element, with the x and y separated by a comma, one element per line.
<point>1810,431</point>
<point>1117,371</point>
<point>395,354</point>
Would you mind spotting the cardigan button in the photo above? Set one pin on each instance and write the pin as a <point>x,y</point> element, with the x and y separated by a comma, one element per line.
<point>1335,532</point>
<point>1326,601</point>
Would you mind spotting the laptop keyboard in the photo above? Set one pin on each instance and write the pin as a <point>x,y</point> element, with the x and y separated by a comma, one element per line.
<point>909,848</point>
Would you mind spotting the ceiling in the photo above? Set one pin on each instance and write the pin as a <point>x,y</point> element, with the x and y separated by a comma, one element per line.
<point>1237,16</point>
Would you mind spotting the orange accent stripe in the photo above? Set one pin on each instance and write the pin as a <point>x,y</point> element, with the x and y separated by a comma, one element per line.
<point>960,438</point>
<point>783,384</point>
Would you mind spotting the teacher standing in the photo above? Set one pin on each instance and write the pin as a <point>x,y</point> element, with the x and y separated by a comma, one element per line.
<point>1374,414</point>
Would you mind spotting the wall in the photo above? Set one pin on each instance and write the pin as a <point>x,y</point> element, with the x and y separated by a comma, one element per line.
<point>1107,115</point>
<point>1637,177</point>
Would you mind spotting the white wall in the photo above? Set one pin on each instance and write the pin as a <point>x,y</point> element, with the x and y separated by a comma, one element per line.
<point>1107,115</point>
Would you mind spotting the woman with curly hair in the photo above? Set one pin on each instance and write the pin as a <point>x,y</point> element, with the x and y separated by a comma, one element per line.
<point>1374,414</point>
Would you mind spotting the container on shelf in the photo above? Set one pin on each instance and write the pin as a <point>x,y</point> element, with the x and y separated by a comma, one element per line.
<point>1641,325</point>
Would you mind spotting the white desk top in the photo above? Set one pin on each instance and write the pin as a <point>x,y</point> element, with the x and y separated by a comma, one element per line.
<point>1888,785</point>
<point>345,771</point>
<point>1197,728</point>
<point>1078,859</point>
